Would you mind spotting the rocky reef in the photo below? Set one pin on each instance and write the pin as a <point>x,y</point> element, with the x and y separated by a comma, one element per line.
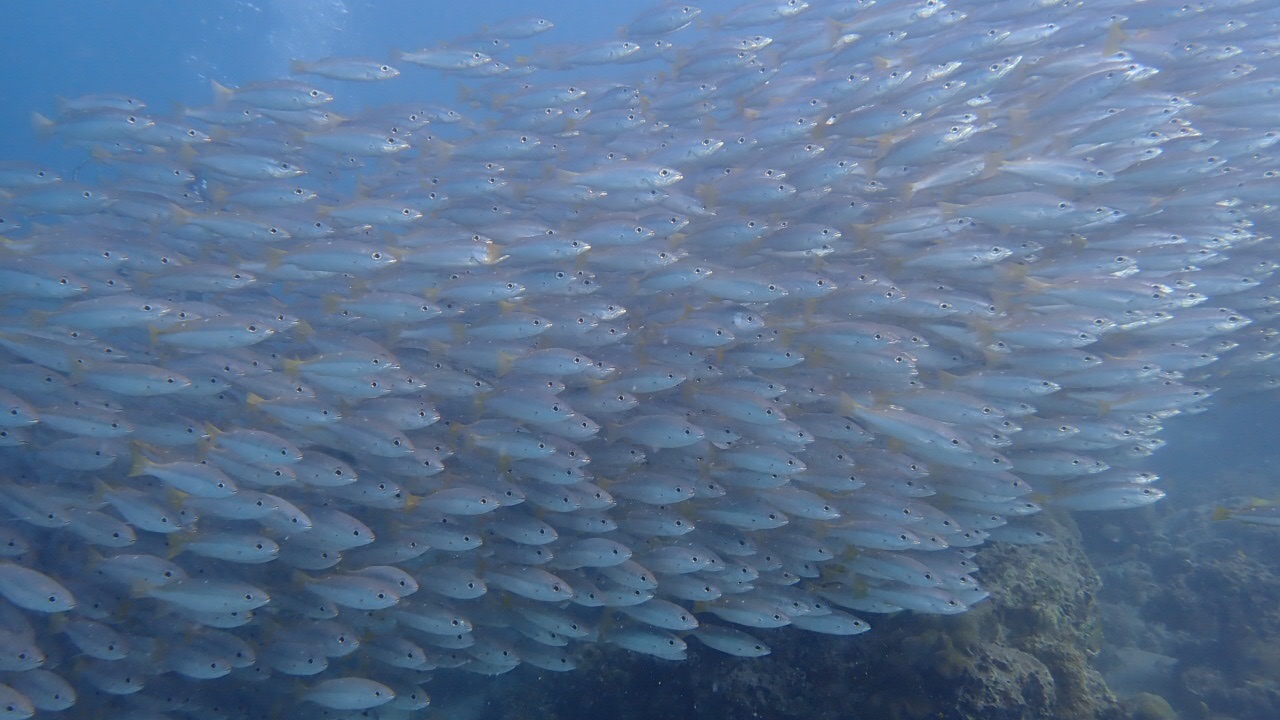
<point>1188,606</point>
<point>1178,621</point>
<point>1164,613</point>
<point>1024,654</point>
<point>1190,614</point>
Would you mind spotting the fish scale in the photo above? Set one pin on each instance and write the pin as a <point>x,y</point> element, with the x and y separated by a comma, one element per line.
<point>726,296</point>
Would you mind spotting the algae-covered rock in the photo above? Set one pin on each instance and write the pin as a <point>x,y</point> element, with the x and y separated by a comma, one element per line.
<point>1044,605</point>
<point>1146,706</point>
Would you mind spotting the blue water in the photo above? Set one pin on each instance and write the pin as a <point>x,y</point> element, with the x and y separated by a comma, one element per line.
<point>167,52</point>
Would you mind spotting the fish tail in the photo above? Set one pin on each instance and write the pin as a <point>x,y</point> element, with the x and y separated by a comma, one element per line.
<point>221,93</point>
<point>1115,38</point>
<point>43,126</point>
<point>140,463</point>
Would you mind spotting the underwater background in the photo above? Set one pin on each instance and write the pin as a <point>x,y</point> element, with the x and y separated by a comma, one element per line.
<point>1161,611</point>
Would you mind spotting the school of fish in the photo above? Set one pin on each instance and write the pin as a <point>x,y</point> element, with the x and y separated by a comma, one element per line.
<point>740,320</point>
